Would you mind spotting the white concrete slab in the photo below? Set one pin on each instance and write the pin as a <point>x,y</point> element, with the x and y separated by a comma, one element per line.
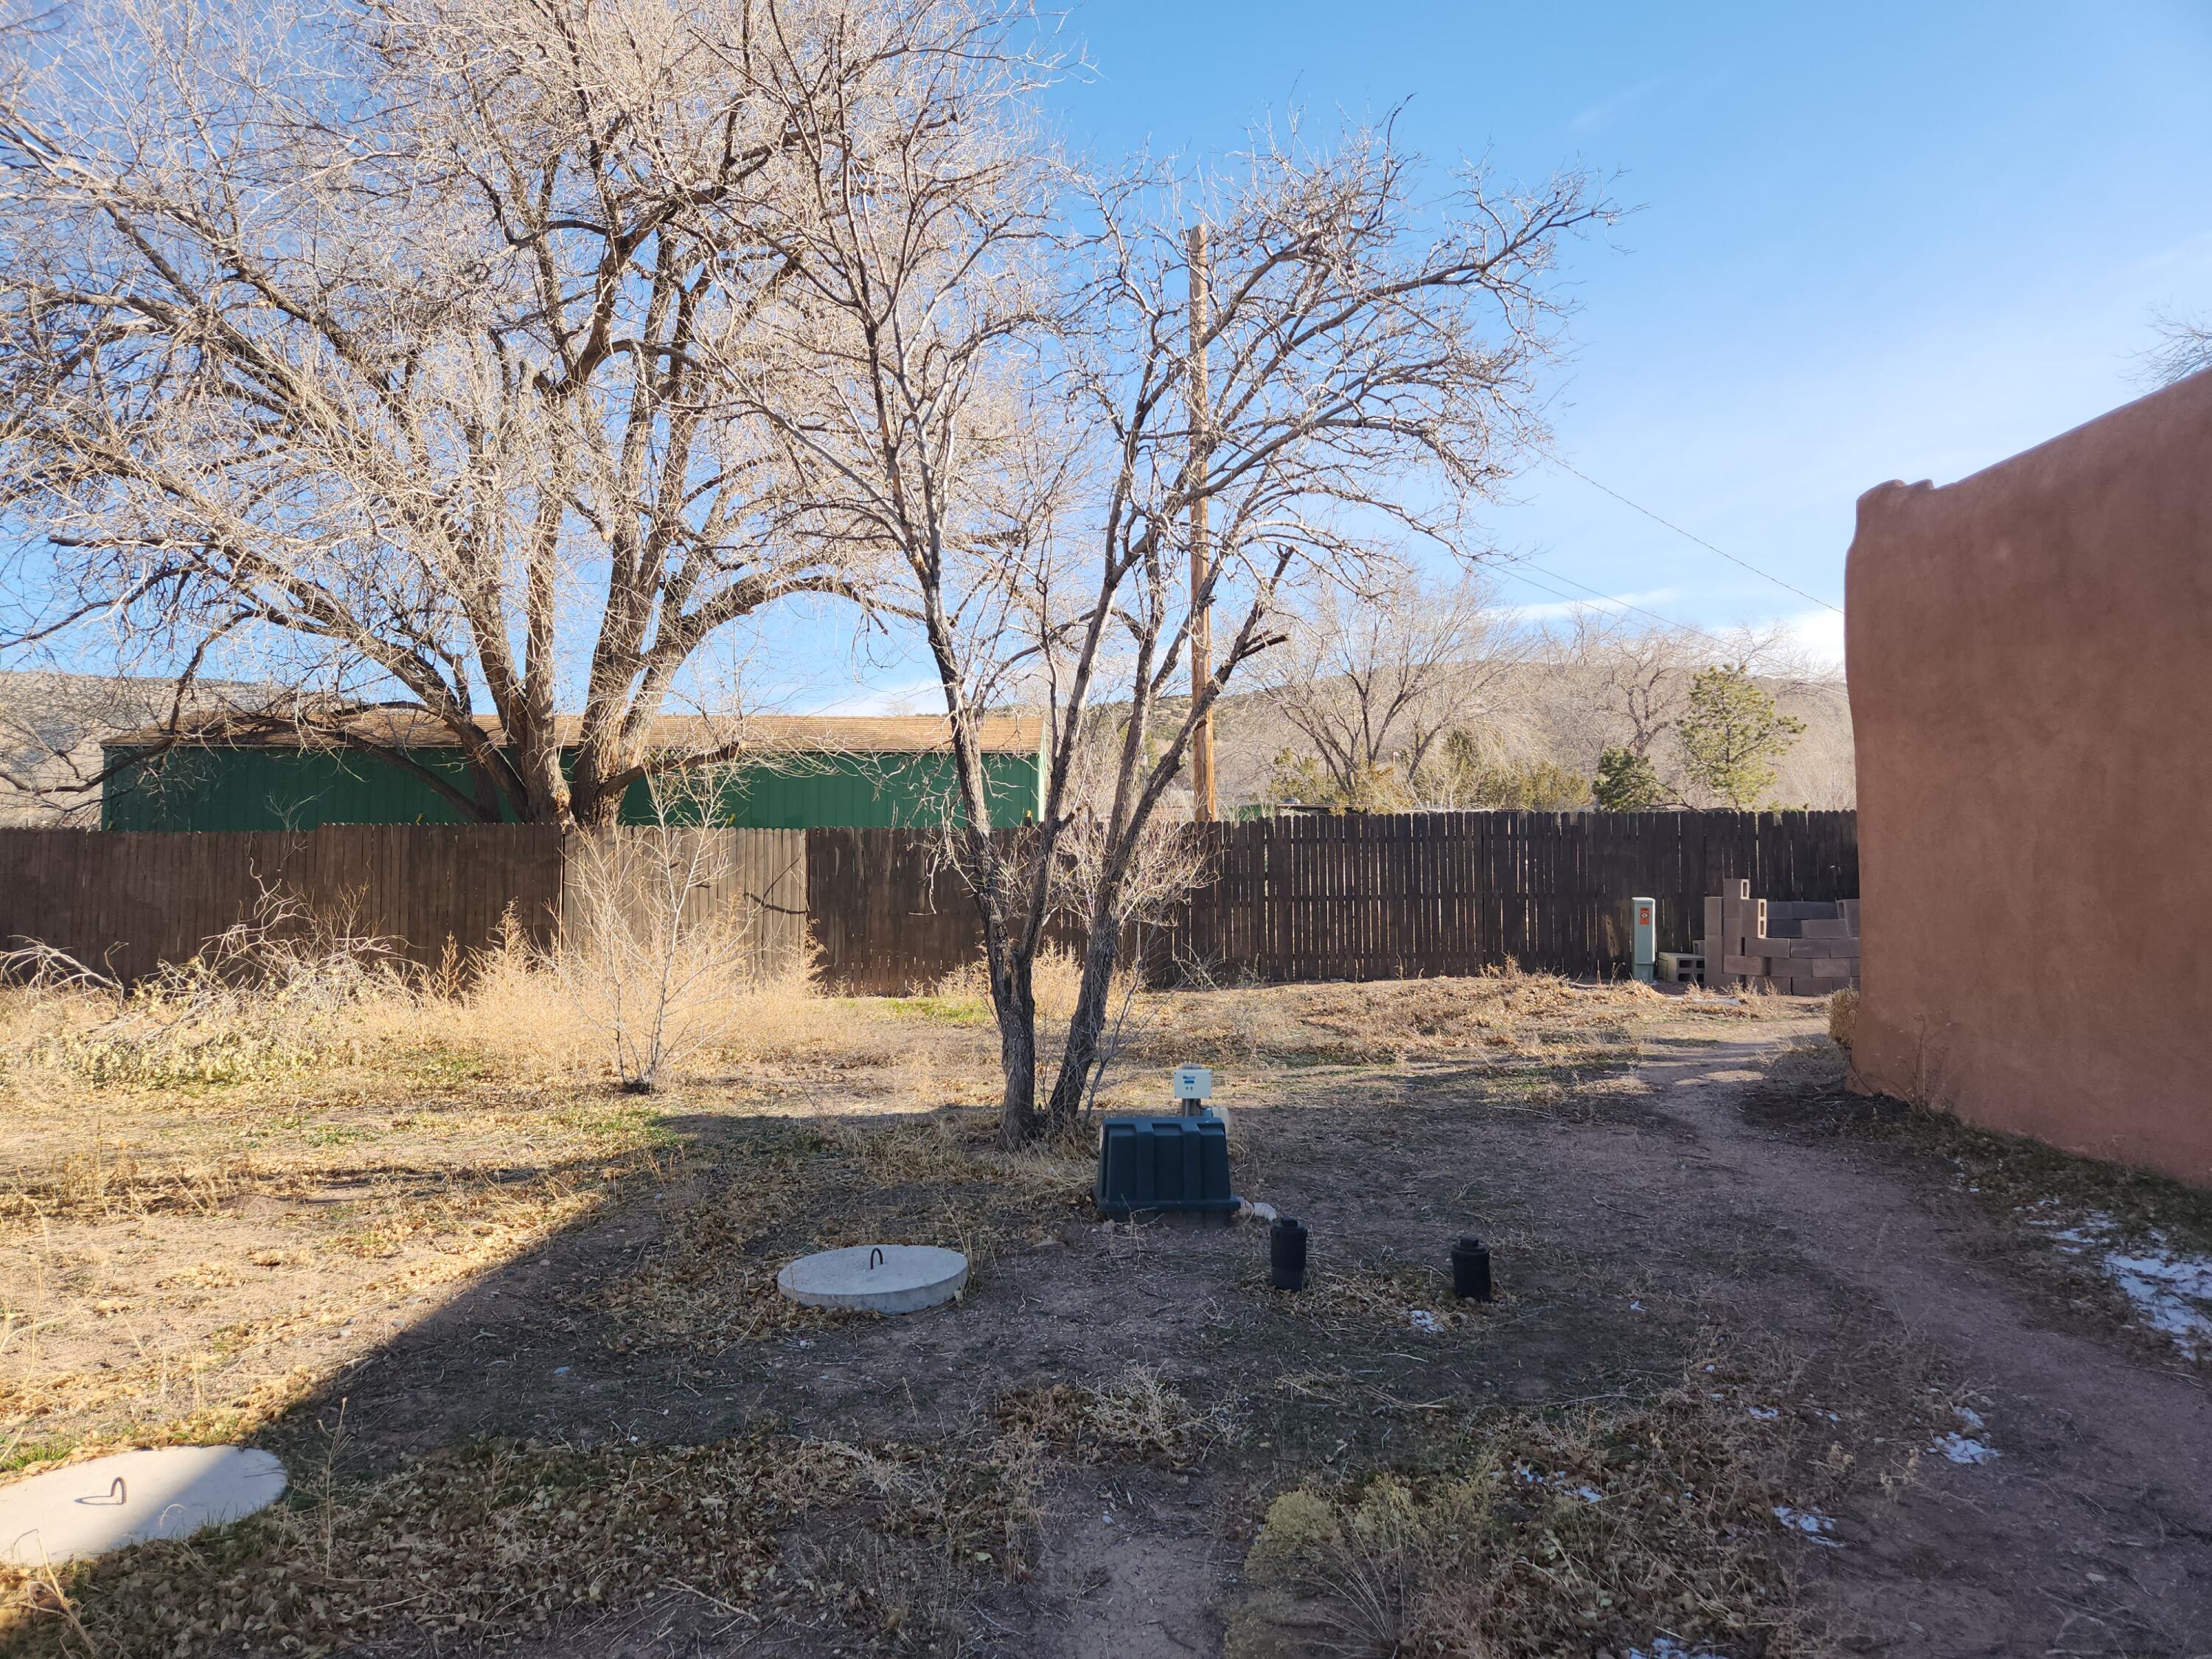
<point>887,1278</point>
<point>88,1509</point>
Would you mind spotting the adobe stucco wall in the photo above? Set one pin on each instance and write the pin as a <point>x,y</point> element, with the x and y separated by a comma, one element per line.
<point>2030,658</point>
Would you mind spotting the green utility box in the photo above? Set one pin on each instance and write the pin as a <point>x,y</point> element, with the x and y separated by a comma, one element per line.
<point>1155,1164</point>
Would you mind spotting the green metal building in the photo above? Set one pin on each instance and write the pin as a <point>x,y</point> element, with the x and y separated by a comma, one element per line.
<point>809,772</point>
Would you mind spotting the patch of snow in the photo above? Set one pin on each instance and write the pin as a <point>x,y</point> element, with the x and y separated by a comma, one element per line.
<point>1666,1647</point>
<point>2171,1289</point>
<point>1962,1449</point>
<point>1970,1417</point>
<point>1589,1494</point>
<point>1811,1524</point>
<point>1635,1307</point>
<point>1424,1321</point>
<point>1764,1413</point>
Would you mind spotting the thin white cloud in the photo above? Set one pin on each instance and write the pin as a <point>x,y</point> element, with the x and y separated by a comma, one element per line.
<point>1552,611</point>
<point>1597,117</point>
<point>1819,634</point>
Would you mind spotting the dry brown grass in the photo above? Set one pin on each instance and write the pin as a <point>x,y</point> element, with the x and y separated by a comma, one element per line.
<point>195,1245</point>
<point>780,1187</point>
<point>1386,1023</point>
<point>490,1543</point>
<point>207,1225</point>
<point>1844,1016</point>
<point>1362,1301</point>
<point>1139,1417</point>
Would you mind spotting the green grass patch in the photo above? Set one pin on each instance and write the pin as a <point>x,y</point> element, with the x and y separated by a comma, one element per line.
<point>947,1011</point>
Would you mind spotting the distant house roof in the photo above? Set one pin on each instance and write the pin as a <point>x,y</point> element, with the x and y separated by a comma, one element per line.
<point>52,725</point>
<point>410,728</point>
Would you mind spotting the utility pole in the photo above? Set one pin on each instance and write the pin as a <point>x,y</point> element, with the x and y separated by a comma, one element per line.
<point>1205,805</point>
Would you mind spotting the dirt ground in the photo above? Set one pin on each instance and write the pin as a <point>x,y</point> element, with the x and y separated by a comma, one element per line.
<point>1772,1370</point>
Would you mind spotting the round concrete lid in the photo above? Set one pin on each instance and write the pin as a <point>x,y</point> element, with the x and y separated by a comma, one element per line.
<point>88,1509</point>
<point>888,1278</point>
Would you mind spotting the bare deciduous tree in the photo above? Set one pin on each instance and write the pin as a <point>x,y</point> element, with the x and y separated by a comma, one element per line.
<point>2183,348</point>
<point>386,350</point>
<point>1633,676</point>
<point>1626,682</point>
<point>1374,680</point>
<point>999,408</point>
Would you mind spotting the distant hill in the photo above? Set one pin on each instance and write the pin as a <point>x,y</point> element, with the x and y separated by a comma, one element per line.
<point>1541,714</point>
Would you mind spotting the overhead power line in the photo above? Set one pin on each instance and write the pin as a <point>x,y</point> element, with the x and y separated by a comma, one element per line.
<point>1764,575</point>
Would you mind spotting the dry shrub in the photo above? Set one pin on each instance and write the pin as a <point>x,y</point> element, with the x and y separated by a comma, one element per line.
<point>1546,1533</point>
<point>649,956</point>
<point>296,1004</point>
<point>268,998</point>
<point>1140,1418</point>
<point>499,1006</point>
<point>1844,1016</point>
<point>1813,1064</point>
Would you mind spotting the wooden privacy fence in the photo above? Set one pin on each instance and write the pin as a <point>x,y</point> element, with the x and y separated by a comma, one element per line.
<point>1382,897</point>
<point>128,901</point>
<point>1300,898</point>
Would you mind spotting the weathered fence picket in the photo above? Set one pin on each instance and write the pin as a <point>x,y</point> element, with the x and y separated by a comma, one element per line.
<point>1293,898</point>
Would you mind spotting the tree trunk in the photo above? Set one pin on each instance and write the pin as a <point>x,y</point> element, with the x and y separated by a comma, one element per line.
<point>1100,950</point>
<point>1013,999</point>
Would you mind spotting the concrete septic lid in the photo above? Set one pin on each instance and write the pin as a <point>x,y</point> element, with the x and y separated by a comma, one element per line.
<point>888,1278</point>
<point>88,1509</point>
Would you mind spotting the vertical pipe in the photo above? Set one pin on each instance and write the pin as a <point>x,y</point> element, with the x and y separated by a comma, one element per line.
<point>1204,802</point>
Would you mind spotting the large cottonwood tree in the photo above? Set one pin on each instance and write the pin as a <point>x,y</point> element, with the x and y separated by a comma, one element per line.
<point>384,350</point>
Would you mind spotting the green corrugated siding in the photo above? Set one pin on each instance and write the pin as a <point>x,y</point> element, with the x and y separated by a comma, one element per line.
<point>213,789</point>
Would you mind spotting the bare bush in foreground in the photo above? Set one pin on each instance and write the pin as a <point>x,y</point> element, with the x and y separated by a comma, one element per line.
<point>652,955</point>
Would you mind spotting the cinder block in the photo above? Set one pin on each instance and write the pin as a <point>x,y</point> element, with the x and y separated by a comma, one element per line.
<point>1744,918</point>
<point>1744,966</point>
<point>1801,910</point>
<point>1835,928</point>
<point>1821,950</point>
<point>1836,968</point>
<point>1850,910</point>
<point>1713,918</point>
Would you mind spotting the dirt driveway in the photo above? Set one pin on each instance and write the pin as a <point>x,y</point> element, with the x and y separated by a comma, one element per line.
<point>1770,1373</point>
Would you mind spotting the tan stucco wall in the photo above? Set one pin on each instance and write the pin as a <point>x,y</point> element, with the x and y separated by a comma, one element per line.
<point>2030,657</point>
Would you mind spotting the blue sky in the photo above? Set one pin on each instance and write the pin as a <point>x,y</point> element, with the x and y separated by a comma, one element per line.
<point>1876,242</point>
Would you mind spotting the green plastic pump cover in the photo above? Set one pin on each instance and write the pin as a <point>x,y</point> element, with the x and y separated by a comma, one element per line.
<point>1152,1164</point>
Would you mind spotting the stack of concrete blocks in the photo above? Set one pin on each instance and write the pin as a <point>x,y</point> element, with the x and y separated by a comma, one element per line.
<point>1796,948</point>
